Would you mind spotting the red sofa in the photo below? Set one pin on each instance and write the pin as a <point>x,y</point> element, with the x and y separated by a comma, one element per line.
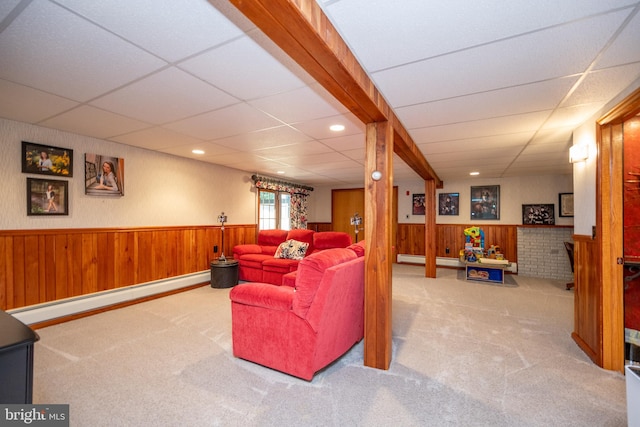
<point>300,330</point>
<point>256,262</point>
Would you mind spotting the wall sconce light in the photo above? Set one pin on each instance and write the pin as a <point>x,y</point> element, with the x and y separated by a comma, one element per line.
<point>376,175</point>
<point>222,218</point>
<point>578,153</point>
<point>356,220</point>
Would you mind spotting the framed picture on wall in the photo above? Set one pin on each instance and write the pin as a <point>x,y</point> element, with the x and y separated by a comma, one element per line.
<point>46,160</point>
<point>485,202</point>
<point>538,214</point>
<point>566,204</point>
<point>418,204</point>
<point>448,203</point>
<point>103,175</point>
<point>47,197</point>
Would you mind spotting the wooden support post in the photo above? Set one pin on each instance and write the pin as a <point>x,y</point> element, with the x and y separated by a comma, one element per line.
<point>378,252</point>
<point>430,237</point>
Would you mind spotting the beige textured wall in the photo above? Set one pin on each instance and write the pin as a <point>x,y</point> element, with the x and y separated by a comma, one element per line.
<point>160,189</point>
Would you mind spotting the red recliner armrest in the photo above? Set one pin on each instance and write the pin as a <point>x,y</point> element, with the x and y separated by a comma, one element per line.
<point>263,295</point>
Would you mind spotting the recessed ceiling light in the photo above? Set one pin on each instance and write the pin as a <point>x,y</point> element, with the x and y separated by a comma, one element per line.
<point>474,173</point>
<point>197,151</point>
<point>336,128</point>
<point>280,172</point>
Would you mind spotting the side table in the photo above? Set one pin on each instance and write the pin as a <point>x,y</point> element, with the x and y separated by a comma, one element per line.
<point>224,274</point>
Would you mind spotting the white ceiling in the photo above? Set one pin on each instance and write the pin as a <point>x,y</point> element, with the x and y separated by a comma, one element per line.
<point>491,86</point>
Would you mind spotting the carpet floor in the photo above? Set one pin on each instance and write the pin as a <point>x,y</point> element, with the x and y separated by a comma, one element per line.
<point>464,353</point>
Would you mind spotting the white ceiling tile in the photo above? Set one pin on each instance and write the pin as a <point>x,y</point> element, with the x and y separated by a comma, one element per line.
<point>553,136</point>
<point>544,95</point>
<point>419,29</point>
<point>315,160</point>
<point>81,60</point>
<point>336,165</point>
<point>545,150</point>
<point>156,138</point>
<point>90,121</point>
<point>226,68</point>
<point>30,105</point>
<point>508,142</point>
<point>357,154</point>
<point>308,103</point>
<point>555,52</point>
<point>168,29</point>
<point>301,149</point>
<point>320,128</point>
<point>6,6</point>
<point>599,85</point>
<point>211,150</point>
<point>519,123</point>
<point>237,159</point>
<point>280,136</point>
<point>233,120</point>
<point>625,48</point>
<point>574,116</point>
<point>166,96</point>
<point>348,142</point>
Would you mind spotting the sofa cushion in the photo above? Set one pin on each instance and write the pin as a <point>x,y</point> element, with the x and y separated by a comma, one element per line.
<point>271,237</point>
<point>302,235</point>
<point>291,249</point>
<point>280,265</point>
<point>330,239</point>
<point>310,272</point>
<point>253,260</point>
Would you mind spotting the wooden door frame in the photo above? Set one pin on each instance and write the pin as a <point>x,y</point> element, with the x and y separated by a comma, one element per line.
<point>609,223</point>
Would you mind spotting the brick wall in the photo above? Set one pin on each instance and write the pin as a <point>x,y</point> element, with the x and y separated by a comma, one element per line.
<point>541,252</point>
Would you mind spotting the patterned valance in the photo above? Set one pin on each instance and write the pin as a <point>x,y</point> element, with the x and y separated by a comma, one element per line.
<point>267,183</point>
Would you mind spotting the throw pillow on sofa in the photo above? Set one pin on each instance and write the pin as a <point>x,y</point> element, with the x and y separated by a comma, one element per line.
<point>291,249</point>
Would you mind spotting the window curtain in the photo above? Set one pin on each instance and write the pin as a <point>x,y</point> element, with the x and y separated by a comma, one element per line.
<point>299,194</point>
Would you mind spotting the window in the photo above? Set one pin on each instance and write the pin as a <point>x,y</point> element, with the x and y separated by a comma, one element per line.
<point>274,210</point>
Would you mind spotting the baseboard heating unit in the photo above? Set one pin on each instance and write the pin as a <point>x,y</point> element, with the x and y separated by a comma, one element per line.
<point>70,306</point>
<point>443,262</point>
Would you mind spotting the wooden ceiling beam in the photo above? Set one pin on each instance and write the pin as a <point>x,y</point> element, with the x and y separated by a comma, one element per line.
<point>302,30</point>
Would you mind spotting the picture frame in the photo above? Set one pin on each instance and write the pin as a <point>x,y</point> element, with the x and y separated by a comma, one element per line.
<point>565,204</point>
<point>47,197</point>
<point>485,202</point>
<point>418,204</point>
<point>103,175</point>
<point>449,204</point>
<point>46,160</point>
<point>538,214</point>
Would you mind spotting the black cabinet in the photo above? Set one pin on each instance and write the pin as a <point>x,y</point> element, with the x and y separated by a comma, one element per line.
<point>16,360</point>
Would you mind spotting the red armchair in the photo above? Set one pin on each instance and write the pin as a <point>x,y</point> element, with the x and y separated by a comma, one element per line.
<point>303,329</point>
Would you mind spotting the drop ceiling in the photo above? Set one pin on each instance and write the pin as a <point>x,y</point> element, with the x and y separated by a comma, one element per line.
<point>495,87</point>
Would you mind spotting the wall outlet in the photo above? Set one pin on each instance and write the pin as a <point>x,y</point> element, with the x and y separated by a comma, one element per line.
<point>215,249</point>
<point>447,251</point>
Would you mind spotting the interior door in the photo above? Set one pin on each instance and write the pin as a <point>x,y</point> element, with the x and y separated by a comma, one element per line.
<point>345,203</point>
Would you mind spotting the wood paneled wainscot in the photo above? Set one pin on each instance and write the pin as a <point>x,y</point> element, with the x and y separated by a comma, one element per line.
<point>38,266</point>
<point>588,298</point>
<point>411,239</point>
